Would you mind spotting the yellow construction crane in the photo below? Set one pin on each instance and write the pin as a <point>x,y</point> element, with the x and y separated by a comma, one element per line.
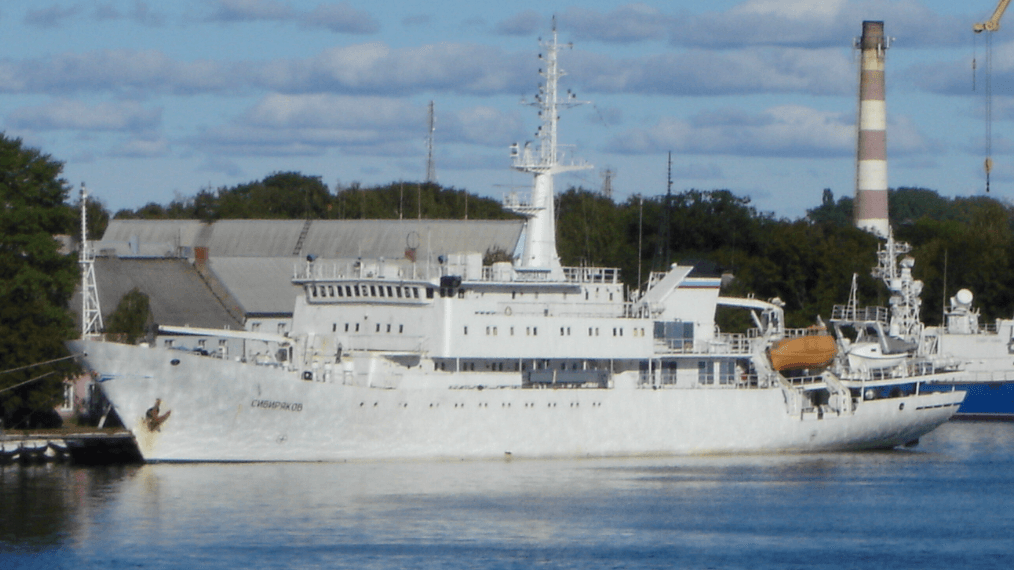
<point>993,23</point>
<point>990,25</point>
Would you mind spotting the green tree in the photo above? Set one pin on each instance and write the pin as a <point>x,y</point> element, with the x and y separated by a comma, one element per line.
<point>132,317</point>
<point>36,282</point>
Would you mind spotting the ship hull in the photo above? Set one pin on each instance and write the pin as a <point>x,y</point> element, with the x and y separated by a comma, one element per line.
<point>222,410</point>
<point>988,378</point>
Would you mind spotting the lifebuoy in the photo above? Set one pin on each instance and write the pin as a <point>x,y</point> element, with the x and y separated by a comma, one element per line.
<point>507,311</point>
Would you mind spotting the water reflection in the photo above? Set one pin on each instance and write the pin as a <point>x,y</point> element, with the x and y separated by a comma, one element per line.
<point>945,501</point>
<point>44,504</point>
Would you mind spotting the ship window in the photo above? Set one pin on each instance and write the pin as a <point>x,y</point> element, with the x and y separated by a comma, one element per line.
<point>334,327</point>
<point>705,372</point>
<point>429,292</point>
<point>389,293</point>
<point>348,291</point>
<point>373,291</point>
<point>401,329</point>
<point>561,331</point>
<point>330,290</point>
<point>389,327</point>
<point>726,372</point>
<point>346,327</point>
<point>314,290</point>
<point>68,397</point>
<point>461,293</point>
<point>512,331</point>
<point>355,289</point>
<point>381,288</point>
<point>466,330</point>
<point>535,331</point>
<point>378,327</point>
<point>589,331</point>
<point>357,327</point>
<point>398,291</point>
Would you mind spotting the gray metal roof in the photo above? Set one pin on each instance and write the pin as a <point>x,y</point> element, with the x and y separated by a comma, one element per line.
<point>157,238</point>
<point>254,238</point>
<point>261,285</point>
<point>323,238</point>
<point>177,294</point>
<point>390,238</point>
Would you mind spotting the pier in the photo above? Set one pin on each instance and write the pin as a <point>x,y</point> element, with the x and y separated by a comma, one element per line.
<point>77,446</point>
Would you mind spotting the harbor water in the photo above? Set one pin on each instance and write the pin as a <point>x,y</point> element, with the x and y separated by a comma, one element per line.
<point>947,503</point>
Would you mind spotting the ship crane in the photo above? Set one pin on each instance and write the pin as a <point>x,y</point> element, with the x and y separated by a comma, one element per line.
<point>990,25</point>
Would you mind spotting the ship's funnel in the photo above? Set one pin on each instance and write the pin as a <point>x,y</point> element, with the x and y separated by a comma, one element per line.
<point>870,208</point>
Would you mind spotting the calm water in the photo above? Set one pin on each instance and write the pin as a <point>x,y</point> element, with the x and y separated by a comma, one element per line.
<point>948,503</point>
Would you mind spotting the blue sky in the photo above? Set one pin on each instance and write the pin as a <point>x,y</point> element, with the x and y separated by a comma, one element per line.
<point>149,101</point>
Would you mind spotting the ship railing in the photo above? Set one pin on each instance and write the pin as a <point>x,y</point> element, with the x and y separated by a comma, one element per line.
<point>662,379</point>
<point>593,275</point>
<point>357,269</point>
<point>861,314</point>
<point>985,376</point>
<point>804,381</point>
<point>518,200</point>
<point>387,342</point>
<point>724,343</point>
<point>915,370</point>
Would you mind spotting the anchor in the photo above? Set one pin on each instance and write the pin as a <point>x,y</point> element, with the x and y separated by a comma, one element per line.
<point>155,420</point>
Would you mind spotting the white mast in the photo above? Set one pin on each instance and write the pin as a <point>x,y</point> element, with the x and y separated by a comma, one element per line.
<point>545,161</point>
<point>91,314</point>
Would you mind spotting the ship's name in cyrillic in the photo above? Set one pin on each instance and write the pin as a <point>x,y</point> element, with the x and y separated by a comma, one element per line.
<point>273,405</point>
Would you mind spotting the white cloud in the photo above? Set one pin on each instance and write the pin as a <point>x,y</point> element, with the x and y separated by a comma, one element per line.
<point>310,124</point>
<point>250,10</point>
<point>522,24</point>
<point>703,72</point>
<point>139,12</point>
<point>142,148</point>
<point>340,18</point>
<point>630,23</point>
<point>801,23</point>
<point>52,16</point>
<point>785,131</point>
<point>65,114</point>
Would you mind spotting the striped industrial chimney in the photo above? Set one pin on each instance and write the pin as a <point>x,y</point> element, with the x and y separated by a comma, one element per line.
<point>870,208</point>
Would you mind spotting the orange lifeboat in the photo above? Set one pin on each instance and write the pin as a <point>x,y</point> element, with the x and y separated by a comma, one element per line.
<point>810,351</point>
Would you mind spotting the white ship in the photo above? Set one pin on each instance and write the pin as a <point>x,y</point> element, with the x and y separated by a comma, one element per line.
<point>986,351</point>
<point>521,359</point>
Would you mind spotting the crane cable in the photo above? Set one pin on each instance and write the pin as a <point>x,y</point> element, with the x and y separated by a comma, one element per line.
<point>989,107</point>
